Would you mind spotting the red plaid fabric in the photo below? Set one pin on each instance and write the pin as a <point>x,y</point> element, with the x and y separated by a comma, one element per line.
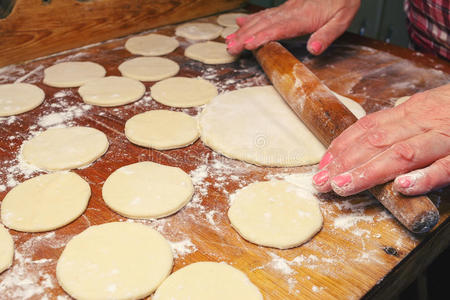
<point>429,26</point>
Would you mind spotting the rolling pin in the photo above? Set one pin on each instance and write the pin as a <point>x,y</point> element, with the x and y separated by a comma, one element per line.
<point>326,117</point>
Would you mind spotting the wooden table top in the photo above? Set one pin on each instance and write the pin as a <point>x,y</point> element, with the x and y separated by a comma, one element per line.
<point>361,250</point>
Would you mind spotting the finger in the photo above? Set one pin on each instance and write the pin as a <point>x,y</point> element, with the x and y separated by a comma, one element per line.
<point>418,182</point>
<point>402,157</point>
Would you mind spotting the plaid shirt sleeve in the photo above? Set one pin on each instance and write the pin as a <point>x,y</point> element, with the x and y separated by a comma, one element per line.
<point>429,26</point>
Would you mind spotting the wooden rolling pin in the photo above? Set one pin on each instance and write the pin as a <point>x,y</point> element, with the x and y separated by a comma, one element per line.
<point>326,117</point>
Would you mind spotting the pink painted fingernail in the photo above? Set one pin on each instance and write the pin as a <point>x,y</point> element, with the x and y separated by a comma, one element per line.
<point>315,47</point>
<point>405,181</point>
<point>320,178</point>
<point>250,39</point>
<point>342,179</point>
<point>325,160</point>
<point>229,37</point>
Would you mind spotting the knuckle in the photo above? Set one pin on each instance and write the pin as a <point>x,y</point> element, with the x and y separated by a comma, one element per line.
<point>403,151</point>
<point>366,123</point>
<point>377,138</point>
<point>443,165</point>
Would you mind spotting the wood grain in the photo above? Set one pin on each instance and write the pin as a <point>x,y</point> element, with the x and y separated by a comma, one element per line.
<point>361,249</point>
<point>34,28</point>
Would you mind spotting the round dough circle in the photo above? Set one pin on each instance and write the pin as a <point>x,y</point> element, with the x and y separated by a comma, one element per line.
<point>206,281</point>
<point>147,190</point>
<point>256,125</point>
<point>275,214</point>
<point>17,98</point>
<point>72,74</point>
<point>6,249</point>
<point>151,45</point>
<point>228,30</point>
<point>183,92</point>
<point>352,105</point>
<point>229,19</point>
<point>401,100</point>
<point>45,202</point>
<point>65,148</point>
<point>112,91</point>
<point>149,68</point>
<point>162,129</point>
<point>114,261</point>
<point>210,53</point>
<point>199,31</point>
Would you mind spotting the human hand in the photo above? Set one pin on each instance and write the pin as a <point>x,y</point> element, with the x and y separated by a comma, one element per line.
<point>410,142</point>
<point>326,19</point>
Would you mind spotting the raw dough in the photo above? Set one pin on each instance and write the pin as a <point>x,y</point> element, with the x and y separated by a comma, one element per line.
<point>275,214</point>
<point>152,44</point>
<point>228,30</point>
<point>147,190</point>
<point>162,129</point>
<point>72,74</point>
<point>210,53</point>
<point>352,105</point>
<point>229,19</point>
<point>17,98</point>
<point>207,281</point>
<point>199,31</point>
<point>45,202</point>
<point>183,91</point>
<point>149,68</point>
<point>6,249</point>
<point>65,148</point>
<point>401,100</point>
<point>255,125</point>
<point>112,91</point>
<point>117,260</point>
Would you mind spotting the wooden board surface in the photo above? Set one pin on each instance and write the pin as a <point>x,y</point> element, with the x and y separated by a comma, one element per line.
<point>361,249</point>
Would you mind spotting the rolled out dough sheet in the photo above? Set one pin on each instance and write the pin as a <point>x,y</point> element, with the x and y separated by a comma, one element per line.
<point>210,53</point>
<point>72,74</point>
<point>45,202</point>
<point>149,68</point>
<point>207,281</point>
<point>6,249</point>
<point>152,44</point>
<point>199,31</point>
<point>17,98</point>
<point>117,260</point>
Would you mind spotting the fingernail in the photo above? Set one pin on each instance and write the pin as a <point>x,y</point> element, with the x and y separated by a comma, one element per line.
<point>250,39</point>
<point>342,180</point>
<point>231,44</point>
<point>325,160</point>
<point>230,36</point>
<point>406,181</point>
<point>320,178</point>
<point>315,47</point>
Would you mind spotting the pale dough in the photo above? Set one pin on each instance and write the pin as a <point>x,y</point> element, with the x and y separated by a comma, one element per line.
<point>117,260</point>
<point>6,249</point>
<point>275,214</point>
<point>112,91</point>
<point>152,44</point>
<point>199,31</point>
<point>401,100</point>
<point>147,190</point>
<point>207,281</point>
<point>229,19</point>
<point>256,125</point>
<point>149,68</point>
<point>72,74</point>
<point>162,129</point>
<point>183,92</point>
<point>65,148</point>
<point>45,202</point>
<point>228,30</point>
<point>17,98</point>
<point>210,53</point>
<point>352,105</point>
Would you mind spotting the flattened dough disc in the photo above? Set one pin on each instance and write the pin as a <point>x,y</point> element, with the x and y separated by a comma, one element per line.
<point>112,91</point>
<point>228,30</point>
<point>117,260</point>
<point>152,44</point>
<point>17,98</point>
<point>65,148</point>
<point>149,68</point>
<point>207,281</point>
<point>183,92</point>
<point>229,19</point>
<point>6,249</point>
<point>199,31</point>
<point>209,53</point>
<point>352,105</point>
<point>162,129</point>
<point>401,100</point>
<point>147,190</point>
<point>72,74</point>
<point>45,202</point>
<point>275,214</point>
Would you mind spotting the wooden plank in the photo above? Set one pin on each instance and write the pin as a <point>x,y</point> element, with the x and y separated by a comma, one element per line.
<point>36,28</point>
<point>360,249</point>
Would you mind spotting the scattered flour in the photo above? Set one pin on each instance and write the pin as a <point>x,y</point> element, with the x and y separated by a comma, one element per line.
<point>183,247</point>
